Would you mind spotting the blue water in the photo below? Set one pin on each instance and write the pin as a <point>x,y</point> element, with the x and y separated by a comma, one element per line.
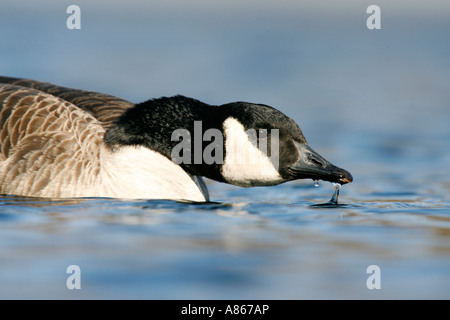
<point>376,103</point>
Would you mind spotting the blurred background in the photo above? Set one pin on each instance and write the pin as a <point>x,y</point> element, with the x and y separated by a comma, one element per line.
<point>375,102</point>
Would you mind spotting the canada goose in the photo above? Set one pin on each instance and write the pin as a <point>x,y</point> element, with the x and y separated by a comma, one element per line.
<point>60,142</point>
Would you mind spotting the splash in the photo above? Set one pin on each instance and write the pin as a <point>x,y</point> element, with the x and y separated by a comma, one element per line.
<point>333,203</point>
<point>335,196</point>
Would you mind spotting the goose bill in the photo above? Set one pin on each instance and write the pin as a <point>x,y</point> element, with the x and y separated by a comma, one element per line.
<point>312,165</point>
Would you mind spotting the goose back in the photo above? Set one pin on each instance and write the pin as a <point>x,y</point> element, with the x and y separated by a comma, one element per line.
<point>105,108</point>
<point>45,144</point>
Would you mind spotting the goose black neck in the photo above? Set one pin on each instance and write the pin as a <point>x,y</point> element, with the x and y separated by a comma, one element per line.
<point>152,123</point>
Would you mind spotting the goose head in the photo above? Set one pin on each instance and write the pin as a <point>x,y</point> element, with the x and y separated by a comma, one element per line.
<point>240,143</point>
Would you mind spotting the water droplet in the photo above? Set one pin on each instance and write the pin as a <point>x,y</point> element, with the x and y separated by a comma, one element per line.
<point>316,183</point>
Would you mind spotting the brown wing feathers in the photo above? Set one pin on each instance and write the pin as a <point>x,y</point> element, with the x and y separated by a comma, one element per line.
<point>105,108</point>
<point>51,136</point>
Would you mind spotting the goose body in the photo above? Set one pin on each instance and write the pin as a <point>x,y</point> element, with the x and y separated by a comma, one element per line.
<point>59,142</point>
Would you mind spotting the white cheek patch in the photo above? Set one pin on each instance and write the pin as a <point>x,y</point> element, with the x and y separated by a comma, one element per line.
<point>245,165</point>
